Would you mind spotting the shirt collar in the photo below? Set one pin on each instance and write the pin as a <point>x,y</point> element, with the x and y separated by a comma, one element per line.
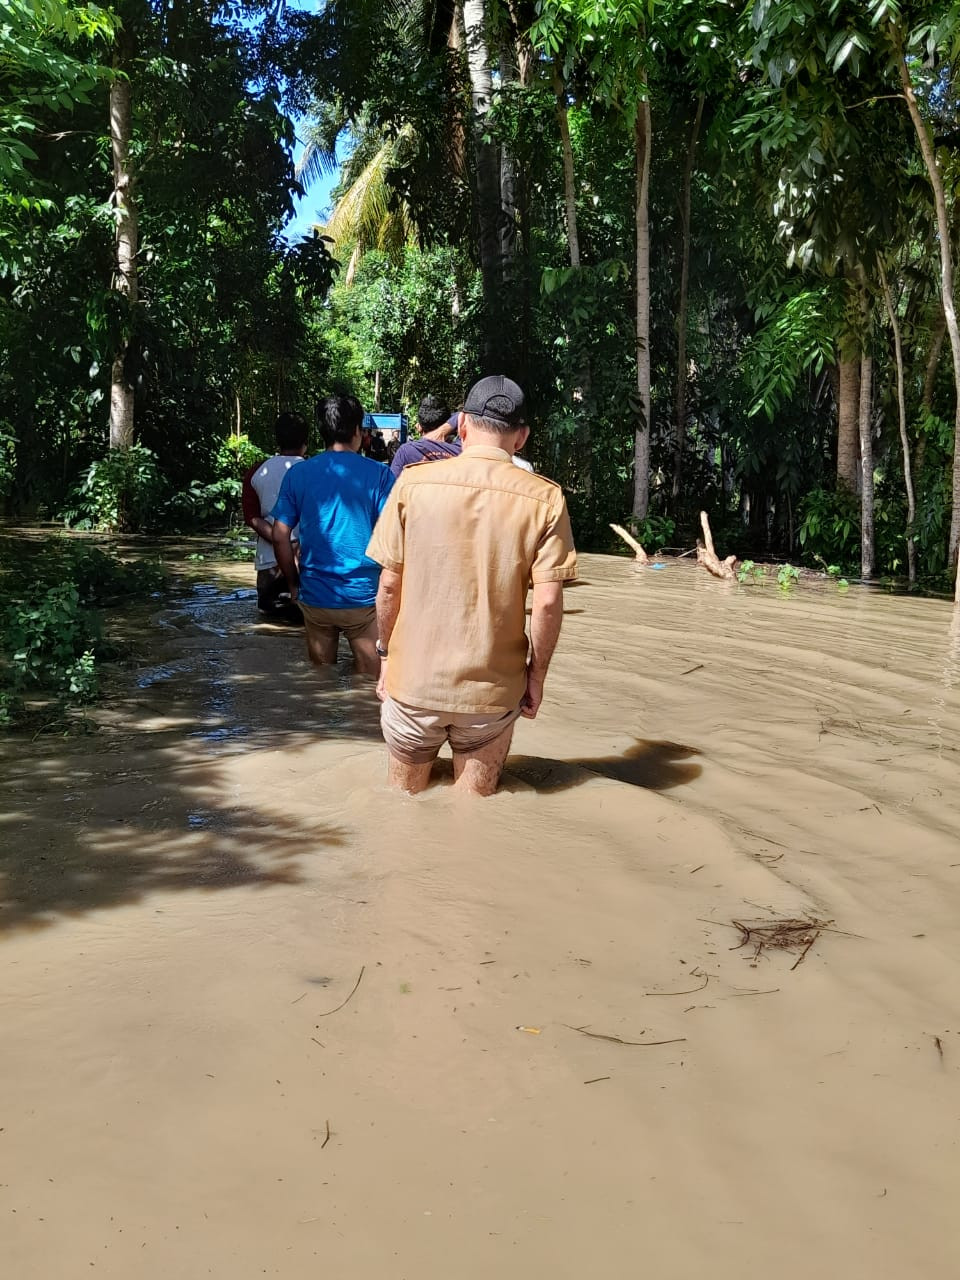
<point>486,451</point>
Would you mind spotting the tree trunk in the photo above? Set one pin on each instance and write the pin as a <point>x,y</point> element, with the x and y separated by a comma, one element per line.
<point>938,331</point>
<point>848,409</point>
<point>487,169</point>
<point>865,417</point>
<point>508,180</point>
<point>569,182</point>
<point>902,415</point>
<point>641,449</point>
<point>680,401</point>
<point>125,214</point>
<point>946,292</point>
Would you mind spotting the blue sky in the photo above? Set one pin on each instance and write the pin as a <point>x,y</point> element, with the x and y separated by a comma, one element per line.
<point>315,205</point>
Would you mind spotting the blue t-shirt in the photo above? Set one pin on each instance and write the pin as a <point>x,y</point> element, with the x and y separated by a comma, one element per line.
<point>336,498</point>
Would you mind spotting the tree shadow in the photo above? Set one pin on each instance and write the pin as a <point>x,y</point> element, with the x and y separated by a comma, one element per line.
<point>144,805</point>
<point>653,765</point>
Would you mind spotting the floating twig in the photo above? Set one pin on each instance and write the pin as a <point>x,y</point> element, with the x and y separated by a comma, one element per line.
<point>298,999</point>
<point>636,1044</point>
<point>327,1138</point>
<point>688,992</point>
<point>349,997</point>
<point>769,991</point>
<point>696,869</point>
<point>691,670</point>
<point>316,1041</point>
<point>939,1043</point>
<point>596,1079</point>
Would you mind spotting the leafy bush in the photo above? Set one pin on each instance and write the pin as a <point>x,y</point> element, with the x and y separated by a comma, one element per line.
<point>653,532</point>
<point>47,641</point>
<point>236,456</point>
<point>122,491</point>
<point>100,578</point>
<point>830,527</point>
<point>50,631</point>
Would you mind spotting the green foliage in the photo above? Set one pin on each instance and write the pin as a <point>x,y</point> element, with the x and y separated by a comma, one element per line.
<point>236,456</point>
<point>830,527</point>
<point>122,491</point>
<point>788,575</point>
<point>50,624</point>
<point>748,571</point>
<point>654,532</point>
<point>46,642</point>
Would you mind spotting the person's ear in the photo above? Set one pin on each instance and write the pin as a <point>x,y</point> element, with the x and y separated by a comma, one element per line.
<point>522,436</point>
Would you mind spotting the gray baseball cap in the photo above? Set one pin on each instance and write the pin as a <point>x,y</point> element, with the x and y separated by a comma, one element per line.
<point>498,398</point>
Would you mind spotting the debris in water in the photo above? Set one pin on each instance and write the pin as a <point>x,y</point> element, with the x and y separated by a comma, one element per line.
<point>349,997</point>
<point>637,1044</point>
<point>789,934</point>
<point>531,1031</point>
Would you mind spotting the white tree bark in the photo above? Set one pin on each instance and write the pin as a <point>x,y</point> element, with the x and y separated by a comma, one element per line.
<point>946,293</point>
<point>866,467</point>
<point>891,306</point>
<point>569,179</point>
<point>125,276</point>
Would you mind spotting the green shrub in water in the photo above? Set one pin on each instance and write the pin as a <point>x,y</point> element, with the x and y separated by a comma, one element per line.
<point>48,642</point>
<point>123,491</point>
<point>50,633</point>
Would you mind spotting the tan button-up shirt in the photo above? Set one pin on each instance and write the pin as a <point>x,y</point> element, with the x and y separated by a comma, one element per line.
<point>468,537</point>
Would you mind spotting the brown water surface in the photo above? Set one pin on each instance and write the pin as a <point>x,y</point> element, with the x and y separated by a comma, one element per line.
<point>189,894</point>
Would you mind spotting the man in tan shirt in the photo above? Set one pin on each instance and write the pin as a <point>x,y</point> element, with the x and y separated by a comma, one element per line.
<point>460,544</point>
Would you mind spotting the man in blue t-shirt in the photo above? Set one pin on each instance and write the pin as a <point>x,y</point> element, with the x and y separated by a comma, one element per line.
<point>336,498</point>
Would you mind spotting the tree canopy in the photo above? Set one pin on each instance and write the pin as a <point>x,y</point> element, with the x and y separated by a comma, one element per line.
<point>715,242</point>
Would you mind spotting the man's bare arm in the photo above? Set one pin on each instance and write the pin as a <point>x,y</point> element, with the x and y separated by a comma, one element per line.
<point>283,550</point>
<point>546,618</point>
<point>263,527</point>
<point>388,604</point>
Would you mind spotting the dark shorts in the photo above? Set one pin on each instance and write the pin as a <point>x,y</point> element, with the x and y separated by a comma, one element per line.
<point>415,735</point>
<point>273,596</point>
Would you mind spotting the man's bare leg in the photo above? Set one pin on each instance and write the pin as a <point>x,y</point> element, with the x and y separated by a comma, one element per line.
<point>478,772</point>
<point>364,648</point>
<point>411,778</point>
<point>322,645</point>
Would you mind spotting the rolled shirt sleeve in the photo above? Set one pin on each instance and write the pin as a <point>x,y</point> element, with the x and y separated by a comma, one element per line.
<point>386,543</point>
<point>556,558</point>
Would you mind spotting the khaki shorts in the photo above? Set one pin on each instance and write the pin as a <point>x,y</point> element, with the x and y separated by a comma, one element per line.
<point>415,735</point>
<point>329,622</point>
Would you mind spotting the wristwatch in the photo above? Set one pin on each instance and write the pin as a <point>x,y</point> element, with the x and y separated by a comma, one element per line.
<point>381,651</point>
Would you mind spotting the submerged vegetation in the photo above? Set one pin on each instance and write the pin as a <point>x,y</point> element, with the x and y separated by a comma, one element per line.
<point>714,241</point>
<point>54,595</point>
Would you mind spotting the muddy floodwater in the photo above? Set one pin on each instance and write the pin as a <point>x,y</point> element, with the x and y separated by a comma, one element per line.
<point>558,1061</point>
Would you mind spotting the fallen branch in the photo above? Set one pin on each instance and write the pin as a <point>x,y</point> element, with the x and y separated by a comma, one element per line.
<point>631,542</point>
<point>707,556</point>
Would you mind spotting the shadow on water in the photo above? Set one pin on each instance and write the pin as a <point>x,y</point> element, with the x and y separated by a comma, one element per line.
<point>655,766</point>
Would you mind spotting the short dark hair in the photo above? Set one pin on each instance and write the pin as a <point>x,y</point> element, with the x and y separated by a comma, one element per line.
<point>291,431</point>
<point>340,419</point>
<point>433,413</point>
